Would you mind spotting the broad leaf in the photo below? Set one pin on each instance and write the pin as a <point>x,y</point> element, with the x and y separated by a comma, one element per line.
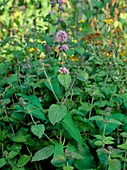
<point>114,164</point>
<point>43,153</point>
<point>59,157</point>
<point>38,130</point>
<point>65,80</point>
<point>2,162</point>
<point>24,159</point>
<point>69,125</point>
<point>56,113</point>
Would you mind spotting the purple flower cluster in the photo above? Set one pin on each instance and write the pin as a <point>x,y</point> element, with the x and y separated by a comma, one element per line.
<point>61,36</point>
<point>62,47</point>
<point>63,70</point>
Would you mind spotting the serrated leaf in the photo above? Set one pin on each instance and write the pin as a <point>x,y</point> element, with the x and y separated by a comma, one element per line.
<point>56,113</point>
<point>83,76</point>
<point>24,159</point>
<point>43,153</point>
<point>38,130</point>
<point>65,80</point>
<point>114,164</point>
<point>59,159</point>
<point>12,154</point>
<point>80,50</point>
<point>69,125</point>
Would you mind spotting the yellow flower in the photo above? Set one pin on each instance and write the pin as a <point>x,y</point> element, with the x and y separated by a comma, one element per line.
<point>98,43</point>
<point>123,53</point>
<point>16,14</point>
<point>31,50</point>
<point>124,60</point>
<point>108,21</point>
<point>80,29</point>
<point>108,54</point>
<point>81,21</point>
<point>73,58</point>
<point>43,42</point>
<point>56,50</point>
<point>42,55</point>
<point>75,41</point>
<point>74,26</point>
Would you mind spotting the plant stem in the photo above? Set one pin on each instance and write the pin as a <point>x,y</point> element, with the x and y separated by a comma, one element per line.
<point>124,166</point>
<point>49,81</point>
<point>92,106</point>
<point>44,133</point>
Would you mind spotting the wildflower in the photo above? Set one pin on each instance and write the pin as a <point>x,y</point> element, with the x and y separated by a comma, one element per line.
<point>61,20</point>
<point>52,2</point>
<point>31,50</point>
<point>73,58</point>
<point>23,7</point>
<point>124,60</point>
<point>63,70</point>
<point>80,29</point>
<point>97,42</point>
<point>61,36</point>
<point>75,41</point>
<point>60,1</point>
<point>16,14</point>
<point>51,12</point>
<point>81,21</point>
<point>43,42</point>
<point>60,7</point>
<point>42,55</point>
<point>74,26</point>
<point>108,54</point>
<point>108,21</point>
<point>123,53</point>
<point>63,47</point>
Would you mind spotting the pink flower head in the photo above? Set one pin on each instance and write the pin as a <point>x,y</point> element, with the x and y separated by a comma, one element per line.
<point>51,12</point>
<point>63,70</point>
<point>60,1</point>
<point>63,47</point>
<point>61,36</point>
<point>23,7</point>
<point>61,7</point>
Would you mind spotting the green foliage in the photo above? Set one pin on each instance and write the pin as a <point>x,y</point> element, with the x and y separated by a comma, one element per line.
<point>63,104</point>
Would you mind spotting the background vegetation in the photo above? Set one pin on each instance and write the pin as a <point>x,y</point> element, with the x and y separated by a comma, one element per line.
<point>63,102</point>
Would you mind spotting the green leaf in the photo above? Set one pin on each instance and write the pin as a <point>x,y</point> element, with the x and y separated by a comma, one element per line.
<point>24,159</point>
<point>56,113</point>
<point>12,154</point>
<point>31,109</point>
<point>98,143</point>
<point>43,153</point>
<point>68,168</point>
<point>69,125</point>
<point>3,68</point>
<point>125,100</point>
<point>122,146</point>
<point>38,130</point>
<point>19,138</point>
<point>65,80</point>
<point>114,164</point>
<point>32,99</point>
<point>13,78</point>
<point>83,76</point>
<point>2,162</point>
<point>59,157</point>
<point>80,50</point>
<point>55,85</point>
